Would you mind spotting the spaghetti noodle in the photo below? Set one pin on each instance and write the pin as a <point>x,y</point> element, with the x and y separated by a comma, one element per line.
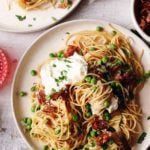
<point>102,110</point>
<point>34,4</point>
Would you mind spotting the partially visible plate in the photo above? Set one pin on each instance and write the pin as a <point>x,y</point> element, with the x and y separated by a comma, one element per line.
<point>35,19</point>
<point>53,40</point>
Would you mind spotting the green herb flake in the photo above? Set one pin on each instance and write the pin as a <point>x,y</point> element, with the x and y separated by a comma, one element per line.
<point>92,49</point>
<point>62,1</point>
<point>22,93</point>
<point>53,90</point>
<point>142,137</point>
<point>34,19</point>
<point>45,147</point>
<point>21,18</point>
<point>67,61</point>
<point>148,118</point>
<point>68,33</point>
<point>68,66</point>
<point>54,19</point>
<point>29,25</point>
<point>54,65</point>
<point>57,131</point>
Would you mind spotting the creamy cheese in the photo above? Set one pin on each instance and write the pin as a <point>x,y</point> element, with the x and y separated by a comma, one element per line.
<point>55,74</point>
<point>114,105</point>
<point>97,106</point>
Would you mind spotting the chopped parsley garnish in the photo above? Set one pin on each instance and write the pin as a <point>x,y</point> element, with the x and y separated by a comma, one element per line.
<point>45,147</point>
<point>63,72</point>
<point>54,19</point>
<point>53,90</point>
<point>106,115</point>
<point>29,25</point>
<point>148,118</point>
<point>62,77</point>
<point>21,18</point>
<point>67,61</point>
<point>144,78</point>
<point>54,65</point>
<point>34,18</point>
<point>22,93</point>
<point>142,137</point>
<point>68,66</point>
<point>67,32</point>
<point>94,88</point>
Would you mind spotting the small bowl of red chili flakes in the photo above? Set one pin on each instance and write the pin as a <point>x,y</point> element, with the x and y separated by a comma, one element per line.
<point>141,17</point>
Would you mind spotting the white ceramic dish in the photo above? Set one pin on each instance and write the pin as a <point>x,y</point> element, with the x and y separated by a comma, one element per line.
<point>53,40</point>
<point>142,33</point>
<point>35,20</point>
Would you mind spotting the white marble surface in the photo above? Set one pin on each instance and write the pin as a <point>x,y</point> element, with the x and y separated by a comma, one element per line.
<point>117,11</point>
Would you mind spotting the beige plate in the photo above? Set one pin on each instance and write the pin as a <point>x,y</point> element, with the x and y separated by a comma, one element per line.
<point>35,20</point>
<point>52,40</point>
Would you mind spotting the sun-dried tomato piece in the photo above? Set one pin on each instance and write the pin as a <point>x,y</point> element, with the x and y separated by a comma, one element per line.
<point>70,50</point>
<point>41,97</point>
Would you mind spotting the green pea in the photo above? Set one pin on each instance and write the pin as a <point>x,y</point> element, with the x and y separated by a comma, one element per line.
<point>106,115</point>
<point>100,62</point>
<point>89,114</point>
<point>33,108</point>
<point>24,120</point>
<point>29,121</point>
<point>33,88</point>
<point>45,147</point>
<point>52,55</point>
<point>104,60</point>
<point>62,1</point>
<point>88,107</point>
<point>106,104</point>
<point>33,72</point>
<point>93,80</point>
<point>113,33</point>
<point>99,28</point>
<point>60,54</point>
<point>113,46</point>
<point>88,79</point>
<point>92,48</point>
<point>22,93</point>
<point>57,131</point>
<point>93,133</point>
<point>75,117</point>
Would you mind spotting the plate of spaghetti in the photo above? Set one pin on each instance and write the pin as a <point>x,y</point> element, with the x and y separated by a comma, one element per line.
<point>33,15</point>
<point>83,85</point>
